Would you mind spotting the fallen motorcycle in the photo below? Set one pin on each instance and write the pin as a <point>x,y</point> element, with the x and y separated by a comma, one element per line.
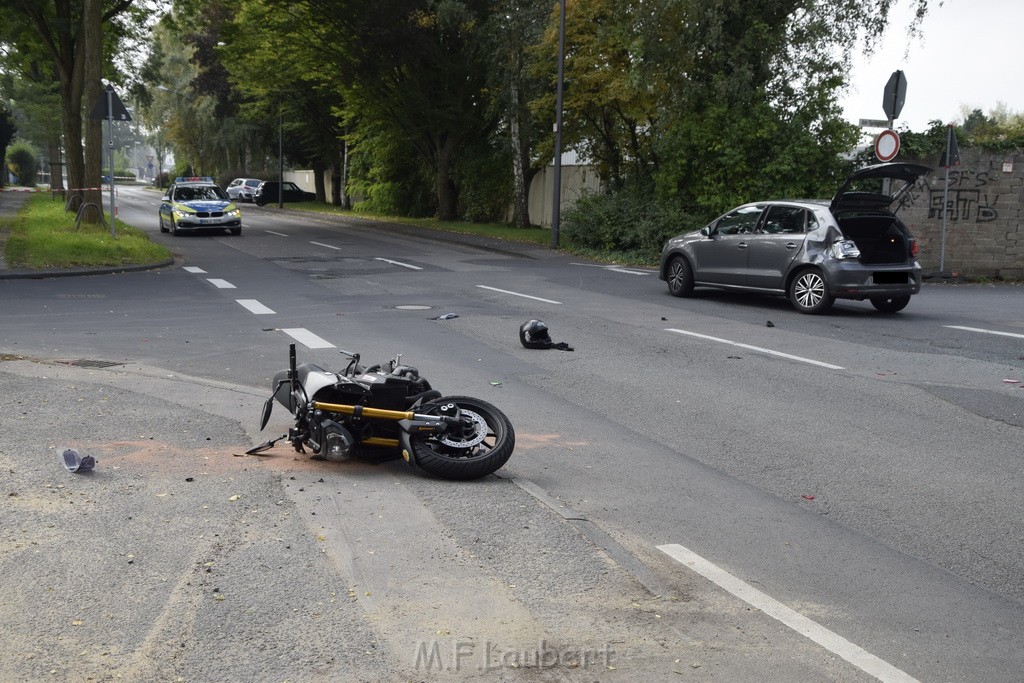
<point>390,406</point>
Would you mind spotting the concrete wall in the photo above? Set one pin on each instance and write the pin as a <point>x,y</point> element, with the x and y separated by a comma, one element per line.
<point>983,215</point>
<point>576,180</point>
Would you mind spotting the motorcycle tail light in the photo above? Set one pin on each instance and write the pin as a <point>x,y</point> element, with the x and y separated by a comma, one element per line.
<point>913,247</point>
<point>845,249</point>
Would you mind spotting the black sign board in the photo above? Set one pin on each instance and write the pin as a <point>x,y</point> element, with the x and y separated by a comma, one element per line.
<point>100,110</point>
<point>895,95</point>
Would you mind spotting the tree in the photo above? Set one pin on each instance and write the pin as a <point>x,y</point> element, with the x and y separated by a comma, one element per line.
<point>69,35</point>
<point>713,101</point>
<point>8,130</point>
<point>419,65</point>
<point>514,29</point>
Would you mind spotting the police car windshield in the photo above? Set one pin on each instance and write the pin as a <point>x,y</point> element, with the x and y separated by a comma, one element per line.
<point>191,193</point>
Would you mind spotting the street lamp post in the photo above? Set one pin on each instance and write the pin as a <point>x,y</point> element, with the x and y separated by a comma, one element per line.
<point>556,208</point>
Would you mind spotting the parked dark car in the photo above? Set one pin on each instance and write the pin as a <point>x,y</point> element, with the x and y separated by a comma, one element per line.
<point>813,251</point>
<point>268,190</point>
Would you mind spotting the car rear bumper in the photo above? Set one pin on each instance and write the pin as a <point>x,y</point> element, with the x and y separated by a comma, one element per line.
<point>857,281</point>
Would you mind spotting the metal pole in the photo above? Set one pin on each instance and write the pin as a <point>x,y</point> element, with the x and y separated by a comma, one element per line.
<point>280,159</point>
<point>110,135</point>
<point>556,199</point>
<point>945,210</point>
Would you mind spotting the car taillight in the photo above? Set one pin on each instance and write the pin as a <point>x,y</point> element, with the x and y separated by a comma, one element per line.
<point>913,247</point>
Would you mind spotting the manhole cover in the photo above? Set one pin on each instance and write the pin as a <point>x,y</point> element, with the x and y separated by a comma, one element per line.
<point>413,307</point>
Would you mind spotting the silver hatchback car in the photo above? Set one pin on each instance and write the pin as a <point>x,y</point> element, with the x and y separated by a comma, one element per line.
<point>813,251</point>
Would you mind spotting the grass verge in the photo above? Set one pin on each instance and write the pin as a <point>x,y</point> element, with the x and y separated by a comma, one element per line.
<point>43,235</point>
<point>536,235</point>
<point>493,230</point>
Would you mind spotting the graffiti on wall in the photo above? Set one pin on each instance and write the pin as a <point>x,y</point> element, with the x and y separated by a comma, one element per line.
<point>968,200</point>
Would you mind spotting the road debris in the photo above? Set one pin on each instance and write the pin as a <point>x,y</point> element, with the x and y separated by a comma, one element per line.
<point>76,462</point>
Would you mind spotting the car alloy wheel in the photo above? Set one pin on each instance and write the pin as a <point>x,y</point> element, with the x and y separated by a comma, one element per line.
<point>809,292</point>
<point>680,277</point>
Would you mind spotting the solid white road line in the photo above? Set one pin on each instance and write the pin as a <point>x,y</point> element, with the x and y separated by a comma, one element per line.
<point>220,284</point>
<point>525,296</point>
<point>304,336</point>
<point>833,642</point>
<point>279,234</point>
<point>757,348</point>
<point>398,263</point>
<point>194,269</point>
<point>328,246</point>
<point>254,306</point>
<point>978,329</point>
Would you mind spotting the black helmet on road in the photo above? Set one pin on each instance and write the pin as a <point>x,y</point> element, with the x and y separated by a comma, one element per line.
<point>533,334</point>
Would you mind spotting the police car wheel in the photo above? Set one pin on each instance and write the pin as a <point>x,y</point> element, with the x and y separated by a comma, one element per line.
<point>236,231</point>
<point>174,228</point>
<point>163,228</point>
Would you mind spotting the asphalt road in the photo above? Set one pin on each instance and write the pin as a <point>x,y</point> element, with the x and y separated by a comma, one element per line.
<point>853,478</point>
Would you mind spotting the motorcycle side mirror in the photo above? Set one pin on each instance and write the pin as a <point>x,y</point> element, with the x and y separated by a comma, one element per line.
<point>267,407</point>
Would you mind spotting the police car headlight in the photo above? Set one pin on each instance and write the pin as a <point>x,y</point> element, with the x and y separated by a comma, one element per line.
<point>180,214</point>
<point>234,213</point>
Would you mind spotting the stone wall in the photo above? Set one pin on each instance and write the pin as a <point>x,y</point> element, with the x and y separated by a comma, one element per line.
<point>983,215</point>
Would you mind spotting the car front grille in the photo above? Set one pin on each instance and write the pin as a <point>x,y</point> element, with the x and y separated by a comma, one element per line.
<point>209,214</point>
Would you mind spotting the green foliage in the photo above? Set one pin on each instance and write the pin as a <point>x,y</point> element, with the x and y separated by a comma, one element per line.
<point>996,132</point>
<point>23,162</point>
<point>484,177</point>
<point>628,222</point>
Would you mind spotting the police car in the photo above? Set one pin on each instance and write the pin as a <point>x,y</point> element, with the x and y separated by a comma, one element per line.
<point>198,204</point>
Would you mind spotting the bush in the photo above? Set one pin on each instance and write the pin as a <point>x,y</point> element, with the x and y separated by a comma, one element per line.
<point>23,161</point>
<point>629,222</point>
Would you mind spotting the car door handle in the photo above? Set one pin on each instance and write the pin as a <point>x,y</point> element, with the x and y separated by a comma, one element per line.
<point>742,245</point>
<point>791,245</point>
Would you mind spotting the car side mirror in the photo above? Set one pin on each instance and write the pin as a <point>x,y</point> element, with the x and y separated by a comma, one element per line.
<point>706,231</point>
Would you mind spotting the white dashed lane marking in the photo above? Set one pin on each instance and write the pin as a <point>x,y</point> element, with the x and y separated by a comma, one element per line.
<point>525,296</point>
<point>307,338</point>
<point>220,284</point>
<point>760,349</point>
<point>254,306</point>
<point>398,263</point>
<point>984,331</point>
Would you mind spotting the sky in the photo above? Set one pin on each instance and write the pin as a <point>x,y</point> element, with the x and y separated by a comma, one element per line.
<point>968,53</point>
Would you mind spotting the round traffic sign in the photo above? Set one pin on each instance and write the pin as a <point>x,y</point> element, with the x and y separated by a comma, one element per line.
<point>887,145</point>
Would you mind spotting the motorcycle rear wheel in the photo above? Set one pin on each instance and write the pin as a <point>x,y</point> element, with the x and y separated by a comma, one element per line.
<point>479,459</point>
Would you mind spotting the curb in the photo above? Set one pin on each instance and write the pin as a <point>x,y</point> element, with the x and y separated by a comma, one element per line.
<point>27,274</point>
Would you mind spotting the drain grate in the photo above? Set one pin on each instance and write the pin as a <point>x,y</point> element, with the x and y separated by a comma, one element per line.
<point>84,363</point>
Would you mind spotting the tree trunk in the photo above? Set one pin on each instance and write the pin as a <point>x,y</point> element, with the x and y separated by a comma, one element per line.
<point>318,182</point>
<point>346,200</point>
<point>447,191</point>
<point>521,197</point>
<point>92,88</point>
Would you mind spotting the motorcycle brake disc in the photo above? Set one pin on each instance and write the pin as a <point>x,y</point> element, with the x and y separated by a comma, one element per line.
<point>479,432</point>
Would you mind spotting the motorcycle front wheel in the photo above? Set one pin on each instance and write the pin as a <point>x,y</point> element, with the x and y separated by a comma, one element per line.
<point>470,453</point>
